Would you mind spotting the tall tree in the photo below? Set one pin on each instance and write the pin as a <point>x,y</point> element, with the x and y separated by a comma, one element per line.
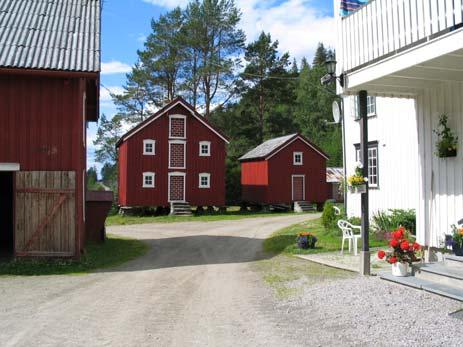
<point>109,132</point>
<point>321,55</point>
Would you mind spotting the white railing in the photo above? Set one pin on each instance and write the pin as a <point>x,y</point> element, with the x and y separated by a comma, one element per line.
<point>385,27</point>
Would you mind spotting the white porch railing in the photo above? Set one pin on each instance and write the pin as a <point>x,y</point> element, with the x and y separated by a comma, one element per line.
<point>385,27</point>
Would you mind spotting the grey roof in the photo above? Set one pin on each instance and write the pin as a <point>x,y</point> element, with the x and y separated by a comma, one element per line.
<point>267,147</point>
<point>50,34</point>
<point>334,174</point>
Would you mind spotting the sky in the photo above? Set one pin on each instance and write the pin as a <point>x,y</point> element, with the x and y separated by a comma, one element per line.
<point>299,25</point>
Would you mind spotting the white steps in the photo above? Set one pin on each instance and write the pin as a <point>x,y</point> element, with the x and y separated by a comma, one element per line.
<point>180,209</point>
<point>304,206</point>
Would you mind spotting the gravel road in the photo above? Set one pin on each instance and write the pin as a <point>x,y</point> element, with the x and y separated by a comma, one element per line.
<point>194,288</point>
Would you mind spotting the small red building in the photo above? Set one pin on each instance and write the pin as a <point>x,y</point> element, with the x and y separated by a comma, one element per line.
<point>284,170</point>
<point>49,83</point>
<point>174,156</point>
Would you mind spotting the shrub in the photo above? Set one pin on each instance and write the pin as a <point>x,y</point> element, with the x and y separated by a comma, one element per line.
<point>329,217</point>
<point>387,221</point>
<point>355,220</point>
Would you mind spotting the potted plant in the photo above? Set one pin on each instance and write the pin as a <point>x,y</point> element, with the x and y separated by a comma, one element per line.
<point>357,183</point>
<point>306,240</point>
<point>402,254</point>
<point>447,142</point>
<point>455,240</point>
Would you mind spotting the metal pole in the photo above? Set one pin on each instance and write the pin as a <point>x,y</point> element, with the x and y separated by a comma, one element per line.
<point>365,253</point>
<point>344,152</point>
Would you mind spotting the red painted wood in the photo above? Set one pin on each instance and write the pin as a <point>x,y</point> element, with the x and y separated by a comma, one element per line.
<point>132,164</point>
<point>279,170</point>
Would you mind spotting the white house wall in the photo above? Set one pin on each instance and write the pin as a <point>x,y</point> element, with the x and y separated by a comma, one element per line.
<point>441,180</point>
<point>395,129</point>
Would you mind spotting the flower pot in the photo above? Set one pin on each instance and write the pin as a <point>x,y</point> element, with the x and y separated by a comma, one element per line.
<point>457,250</point>
<point>358,189</point>
<point>447,153</point>
<point>400,269</point>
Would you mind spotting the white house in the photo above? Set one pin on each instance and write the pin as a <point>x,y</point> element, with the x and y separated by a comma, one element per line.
<point>393,153</point>
<point>410,49</point>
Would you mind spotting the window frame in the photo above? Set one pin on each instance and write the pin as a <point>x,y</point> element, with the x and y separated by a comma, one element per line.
<point>153,179</point>
<point>177,116</point>
<point>149,142</point>
<point>295,154</point>
<point>370,104</point>
<point>204,143</point>
<point>201,176</point>
<point>372,146</point>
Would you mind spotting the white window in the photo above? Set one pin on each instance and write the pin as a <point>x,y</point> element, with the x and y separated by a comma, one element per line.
<point>371,106</point>
<point>148,180</point>
<point>297,158</point>
<point>149,147</point>
<point>204,180</point>
<point>204,149</point>
<point>373,175</point>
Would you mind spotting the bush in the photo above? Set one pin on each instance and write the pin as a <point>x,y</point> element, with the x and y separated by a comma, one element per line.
<point>390,220</point>
<point>329,217</point>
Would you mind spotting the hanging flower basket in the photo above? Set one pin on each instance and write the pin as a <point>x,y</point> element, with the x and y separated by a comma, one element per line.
<point>357,183</point>
<point>360,189</point>
<point>447,143</point>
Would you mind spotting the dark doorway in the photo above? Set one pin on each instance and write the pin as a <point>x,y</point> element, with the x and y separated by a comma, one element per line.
<point>6,214</point>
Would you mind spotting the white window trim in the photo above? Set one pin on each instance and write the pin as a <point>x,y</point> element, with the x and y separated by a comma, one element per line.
<point>205,143</point>
<point>177,116</point>
<point>153,176</point>
<point>178,142</point>
<point>292,186</point>
<point>201,175</point>
<point>371,145</point>
<point>294,158</point>
<point>355,109</point>
<point>147,142</point>
<point>183,174</point>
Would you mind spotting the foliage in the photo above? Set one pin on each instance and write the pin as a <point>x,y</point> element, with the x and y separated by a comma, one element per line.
<point>109,132</point>
<point>387,221</point>
<point>447,142</point>
<point>456,237</point>
<point>92,180</point>
<point>329,217</point>
<point>357,178</point>
<point>114,252</point>
<point>403,250</point>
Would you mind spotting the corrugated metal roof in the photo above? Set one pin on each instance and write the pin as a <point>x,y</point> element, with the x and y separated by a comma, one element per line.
<point>50,34</point>
<point>334,174</point>
<point>267,147</point>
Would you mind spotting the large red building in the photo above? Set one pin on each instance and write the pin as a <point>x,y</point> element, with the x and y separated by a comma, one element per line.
<point>174,156</point>
<point>284,170</point>
<point>49,82</point>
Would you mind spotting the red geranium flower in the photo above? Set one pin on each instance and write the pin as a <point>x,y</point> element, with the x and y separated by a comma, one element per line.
<point>399,234</point>
<point>416,246</point>
<point>394,243</point>
<point>392,260</point>
<point>404,245</point>
<point>381,254</point>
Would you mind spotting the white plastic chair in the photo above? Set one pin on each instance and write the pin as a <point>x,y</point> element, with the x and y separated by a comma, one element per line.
<point>337,210</point>
<point>348,234</point>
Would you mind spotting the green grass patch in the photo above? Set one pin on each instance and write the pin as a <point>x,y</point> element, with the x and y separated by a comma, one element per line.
<point>229,215</point>
<point>284,241</point>
<point>114,252</point>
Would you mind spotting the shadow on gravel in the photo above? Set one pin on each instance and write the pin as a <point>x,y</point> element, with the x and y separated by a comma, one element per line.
<point>196,250</point>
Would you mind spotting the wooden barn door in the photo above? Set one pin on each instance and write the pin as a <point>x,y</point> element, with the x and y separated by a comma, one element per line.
<point>298,187</point>
<point>45,213</point>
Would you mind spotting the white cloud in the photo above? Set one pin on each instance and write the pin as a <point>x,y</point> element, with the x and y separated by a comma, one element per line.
<point>105,93</point>
<point>296,24</point>
<point>114,67</point>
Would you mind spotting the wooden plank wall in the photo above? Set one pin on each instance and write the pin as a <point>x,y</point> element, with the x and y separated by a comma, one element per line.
<point>45,213</point>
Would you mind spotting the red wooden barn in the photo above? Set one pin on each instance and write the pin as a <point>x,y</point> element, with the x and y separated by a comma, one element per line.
<point>49,82</point>
<point>284,170</point>
<point>174,157</point>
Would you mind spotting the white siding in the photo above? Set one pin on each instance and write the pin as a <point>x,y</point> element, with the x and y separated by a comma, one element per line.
<point>441,180</point>
<point>395,129</point>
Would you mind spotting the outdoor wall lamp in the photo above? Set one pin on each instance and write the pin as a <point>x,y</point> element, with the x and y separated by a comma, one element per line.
<point>330,64</point>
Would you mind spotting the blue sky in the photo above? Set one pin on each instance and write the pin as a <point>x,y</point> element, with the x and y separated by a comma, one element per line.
<point>298,24</point>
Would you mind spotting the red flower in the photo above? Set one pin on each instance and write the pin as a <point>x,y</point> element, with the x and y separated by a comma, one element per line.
<point>394,243</point>
<point>405,245</point>
<point>416,246</point>
<point>392,260</point>
<point>399,234</point>
<point>381,254</point>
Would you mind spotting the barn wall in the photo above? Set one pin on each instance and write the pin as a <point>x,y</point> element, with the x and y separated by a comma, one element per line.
<point>281,169</point>
<point>123,182</point>
<point>42,129</point>
<point>254,181</point>
<point>136,163</point>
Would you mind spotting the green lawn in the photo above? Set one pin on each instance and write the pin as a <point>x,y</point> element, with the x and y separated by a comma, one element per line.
<point>284,241</point>
<point>115,251</point>
<point>229,215</point>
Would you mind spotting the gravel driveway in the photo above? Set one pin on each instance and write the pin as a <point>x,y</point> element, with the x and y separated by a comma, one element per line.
<point>198,286</point>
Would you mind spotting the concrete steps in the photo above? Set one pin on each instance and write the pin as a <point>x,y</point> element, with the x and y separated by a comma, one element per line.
<point>180,209</point>
<point>442,278</point>
<point>304,206</point>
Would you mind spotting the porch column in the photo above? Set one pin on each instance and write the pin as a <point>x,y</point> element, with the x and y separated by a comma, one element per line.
<point>365,253</point>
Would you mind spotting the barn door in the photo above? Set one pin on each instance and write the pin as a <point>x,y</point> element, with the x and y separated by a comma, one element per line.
<point>298,187</point>
<point>45,213</point>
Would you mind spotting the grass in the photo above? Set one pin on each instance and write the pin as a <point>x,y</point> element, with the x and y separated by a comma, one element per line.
<point>229,215</point>
<point>284,241</point>
<point>115,251</point>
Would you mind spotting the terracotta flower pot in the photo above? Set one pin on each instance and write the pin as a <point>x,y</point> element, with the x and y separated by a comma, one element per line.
<point>400,269</point>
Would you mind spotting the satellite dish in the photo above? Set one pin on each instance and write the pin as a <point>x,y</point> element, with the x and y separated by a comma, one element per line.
<point>336,112</point>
